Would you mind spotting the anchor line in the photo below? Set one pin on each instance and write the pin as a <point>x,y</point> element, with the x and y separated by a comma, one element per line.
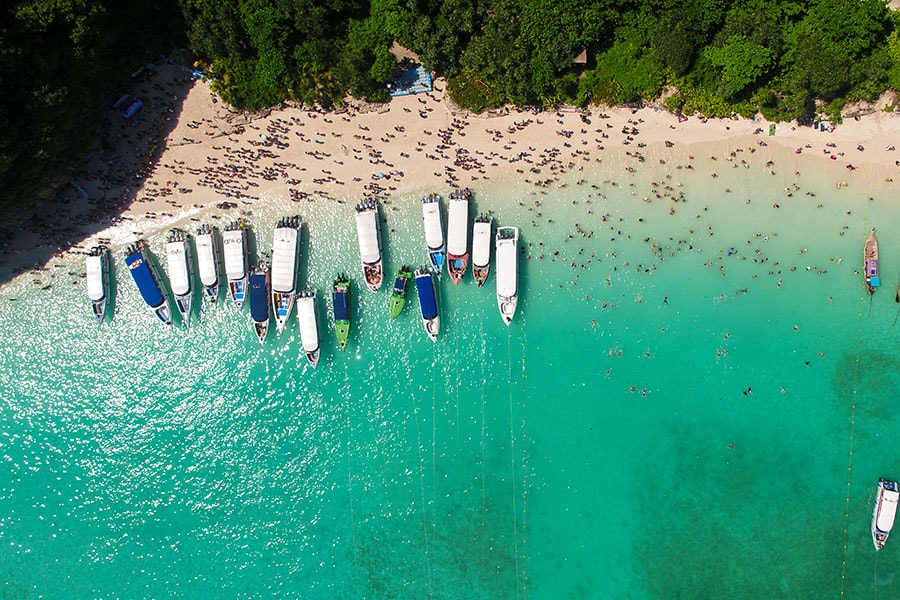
<point>875,576</point>
<point>483,385</point>
<point>512,459</point>
<point>850,456</point>
<point>350,479</point>
<point>422,494</point>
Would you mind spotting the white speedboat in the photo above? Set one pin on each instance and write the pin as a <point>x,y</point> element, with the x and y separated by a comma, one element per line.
<point>309,326</point>
<point>208,261</point>
<point>97,279</point>
<point>147,280</point>
<point>369,234</point>
<point>425,289</point>
<point>234,250</point>
<point>179,269</point>
<point>885,511</point>
<point>481,249</point>
<point>507,271</point>
<point>458,235</point>
<point>259,285</point>
<point>285,261</point>
<point>434,232</point>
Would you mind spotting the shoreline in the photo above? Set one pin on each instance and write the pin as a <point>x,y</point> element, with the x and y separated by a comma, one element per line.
<point>167,163</point>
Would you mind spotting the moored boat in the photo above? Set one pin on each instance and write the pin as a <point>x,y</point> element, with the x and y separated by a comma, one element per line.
<point>458,235</point>
<point>885,511</point>
<point>234,250</point>
<point>147,280</point>
<point>870,258</point>
<point>97,279</point>
<point>398,294</point>
<point>207,244</point>
<point>368,231</point>
<point>431,319</point>
<point>258,292</point>
<point>285,260</point>
<point>309,325</point>
<point>434,232</point>
<point>507,271</point>
<point>178,267</point>
<point>340,301</point>
<point>481,249</point>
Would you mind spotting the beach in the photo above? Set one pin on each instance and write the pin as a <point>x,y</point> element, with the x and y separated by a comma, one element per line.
<point>696,392</point>
<point>185,155</point>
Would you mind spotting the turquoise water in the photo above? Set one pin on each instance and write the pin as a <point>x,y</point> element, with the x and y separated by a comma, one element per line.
<point>646,428</point>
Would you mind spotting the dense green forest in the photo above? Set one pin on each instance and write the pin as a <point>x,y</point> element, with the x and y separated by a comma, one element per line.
<point>62,60</point>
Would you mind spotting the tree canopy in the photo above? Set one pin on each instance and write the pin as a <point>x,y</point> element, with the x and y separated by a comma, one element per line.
<point>63,59</point>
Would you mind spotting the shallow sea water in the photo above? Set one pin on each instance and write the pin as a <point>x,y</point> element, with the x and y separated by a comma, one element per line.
<point>646,428</point>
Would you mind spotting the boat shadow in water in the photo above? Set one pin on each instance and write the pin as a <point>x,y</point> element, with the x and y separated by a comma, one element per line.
<point>113,289</point>
<point>253,257</point>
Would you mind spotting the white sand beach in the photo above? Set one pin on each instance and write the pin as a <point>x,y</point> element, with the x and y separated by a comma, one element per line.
<point>185,153</point>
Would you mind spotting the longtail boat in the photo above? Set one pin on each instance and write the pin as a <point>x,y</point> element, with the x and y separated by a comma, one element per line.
<point>398,294</point>
<point>870,257</point>
<point>340,300</point>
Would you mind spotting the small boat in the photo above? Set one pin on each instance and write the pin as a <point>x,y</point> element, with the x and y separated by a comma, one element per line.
<point>507,271</point>
<point>178,267</point>
<point>428,303</point>
<point>458,235</point>
<point>340,300</point>
<point>208,261</point>
<point>398,294</point>
<point>870,257</point>
<point>258,292</point>
<point>234,250</point>
<point>285,260</point>
<point>434,232</point>
<point>309,325</point>
<point>97,278</point>
<point>481,249</point>
<point>885,511</point>
<point>368,230</point>
<point>147,280</point>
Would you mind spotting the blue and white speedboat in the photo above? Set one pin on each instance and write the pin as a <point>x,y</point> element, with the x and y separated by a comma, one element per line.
<point>434,232</point>
<point>285,261</point>
<point>234,249</point>
<point>147,281</point>
<point>428,303</point>
<point>180,271</point>
<point>259,300</point>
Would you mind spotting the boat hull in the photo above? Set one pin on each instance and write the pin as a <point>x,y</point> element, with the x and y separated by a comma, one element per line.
<point>309,327</point>
<point>183,304</point>
<point>340,302</point>
<point>507,272</point>
<point>282,304</point>
<point>870,263</point>
<point>428,305</point>
<point>886,501</point>
<point>145,276</point>
<point>97,276</point>
<point>398,294</point>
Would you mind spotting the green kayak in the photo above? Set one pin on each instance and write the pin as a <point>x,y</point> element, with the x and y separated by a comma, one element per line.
<point>340,298</point>
<point>398,295</point>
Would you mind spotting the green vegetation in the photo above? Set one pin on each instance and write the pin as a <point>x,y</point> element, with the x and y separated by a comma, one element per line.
<point>62,60</point>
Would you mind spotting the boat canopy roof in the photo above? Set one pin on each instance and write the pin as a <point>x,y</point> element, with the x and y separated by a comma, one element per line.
<point>144,279</point>
<point>427,300</point>
<point>309,329</point>
<point>235,253</point>
<point>284,259</point>
<point>434,233</point>
<point>178,268</point>
<point>507,263</point>
<point>481,244</point>
<point>367,230</point>
<point>457,227</point>
<point>259,297</point>
<point>888,511</point>
<point>341,308</point>
<point>206,259</point>
<point>94,271</point>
